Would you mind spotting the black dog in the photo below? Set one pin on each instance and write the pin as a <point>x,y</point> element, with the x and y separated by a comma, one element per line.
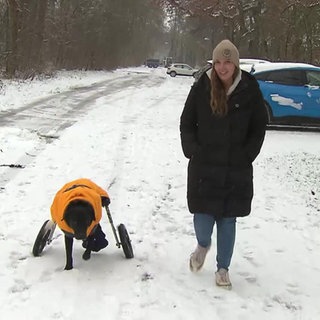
<point>79,215</point>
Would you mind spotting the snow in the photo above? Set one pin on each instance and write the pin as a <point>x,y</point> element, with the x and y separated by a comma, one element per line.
<point>125,137</point>
<point>287,102</point>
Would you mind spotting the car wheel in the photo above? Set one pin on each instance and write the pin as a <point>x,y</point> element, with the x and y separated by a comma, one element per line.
<point>173,73</point>
<point>269,112</point>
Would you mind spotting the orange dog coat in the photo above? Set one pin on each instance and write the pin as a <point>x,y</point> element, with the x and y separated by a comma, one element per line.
<point>80,189</point>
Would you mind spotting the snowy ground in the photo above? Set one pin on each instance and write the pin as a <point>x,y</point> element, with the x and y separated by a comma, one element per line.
<point>125,137</point>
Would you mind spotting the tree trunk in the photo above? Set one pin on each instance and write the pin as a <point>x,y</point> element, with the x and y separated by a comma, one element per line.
<point>11,61</point>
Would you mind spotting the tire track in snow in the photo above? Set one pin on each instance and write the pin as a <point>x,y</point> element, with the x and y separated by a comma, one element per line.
<point>161,200</point>
<point>50,116</point>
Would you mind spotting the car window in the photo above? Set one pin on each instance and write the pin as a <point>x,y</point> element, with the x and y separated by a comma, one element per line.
<point>313,78</point>
<point>286,77</point>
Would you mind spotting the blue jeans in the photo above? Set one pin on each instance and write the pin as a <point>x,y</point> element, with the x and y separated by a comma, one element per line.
<point>226,234</point>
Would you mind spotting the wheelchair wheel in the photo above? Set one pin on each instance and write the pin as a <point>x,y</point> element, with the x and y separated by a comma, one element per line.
<point>44,237</point>
<point>125,241</point>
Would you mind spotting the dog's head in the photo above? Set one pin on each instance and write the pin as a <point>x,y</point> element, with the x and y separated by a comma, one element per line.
<point>78,216</point>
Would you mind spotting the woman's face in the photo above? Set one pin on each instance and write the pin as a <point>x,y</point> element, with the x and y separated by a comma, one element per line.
<point>225,69</point>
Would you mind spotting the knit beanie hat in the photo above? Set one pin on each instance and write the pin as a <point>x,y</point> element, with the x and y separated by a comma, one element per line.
<point>227,50</point>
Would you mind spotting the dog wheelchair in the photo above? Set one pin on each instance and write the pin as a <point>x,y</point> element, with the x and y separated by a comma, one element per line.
<point>45,237</point>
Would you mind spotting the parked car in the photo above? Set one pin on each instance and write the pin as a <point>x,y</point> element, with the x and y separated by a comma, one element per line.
<point>202,70</point>
<point>291,93</point>
<point>167,61</point>
<point>248,64</point>
<point>153,63</point>
<point>181,69</point>
<point>245,64</point>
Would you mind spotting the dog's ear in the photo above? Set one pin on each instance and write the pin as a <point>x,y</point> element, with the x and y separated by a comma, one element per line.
<point>91,214</point>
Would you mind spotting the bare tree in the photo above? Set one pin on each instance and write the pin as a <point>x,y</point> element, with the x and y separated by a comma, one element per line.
<point>274,29</point>
<point>12,42</point>
<point>95,34</point>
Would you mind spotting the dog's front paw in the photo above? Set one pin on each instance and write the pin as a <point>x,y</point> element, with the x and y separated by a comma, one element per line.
<point>68,267</point>
<point>86,255</point>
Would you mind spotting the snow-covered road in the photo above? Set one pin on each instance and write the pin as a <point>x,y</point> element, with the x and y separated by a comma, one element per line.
<point>126,139</point>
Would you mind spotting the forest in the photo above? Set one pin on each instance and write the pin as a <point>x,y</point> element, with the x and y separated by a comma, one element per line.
<point>41,36</point>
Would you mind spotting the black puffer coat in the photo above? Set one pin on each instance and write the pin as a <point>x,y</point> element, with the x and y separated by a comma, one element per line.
<point>221,149</point>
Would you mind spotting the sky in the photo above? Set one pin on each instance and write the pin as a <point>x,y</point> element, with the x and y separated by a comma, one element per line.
<point>121,130</point>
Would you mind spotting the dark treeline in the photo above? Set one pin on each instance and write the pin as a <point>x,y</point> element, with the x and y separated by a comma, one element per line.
<point>286,30</point>
<point>39,36</point>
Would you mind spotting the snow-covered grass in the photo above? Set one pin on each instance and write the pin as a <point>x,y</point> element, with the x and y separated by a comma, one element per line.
<point>127,141</point>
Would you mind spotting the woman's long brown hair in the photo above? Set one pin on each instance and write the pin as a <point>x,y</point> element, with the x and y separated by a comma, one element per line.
<point>218,101</point>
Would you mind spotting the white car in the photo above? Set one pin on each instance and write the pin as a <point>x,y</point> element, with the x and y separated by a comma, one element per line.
<point>252,61</point>
<point>181,69</point>
<point>248,64</point>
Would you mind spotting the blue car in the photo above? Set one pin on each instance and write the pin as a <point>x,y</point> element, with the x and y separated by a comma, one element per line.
<point>291,92</point>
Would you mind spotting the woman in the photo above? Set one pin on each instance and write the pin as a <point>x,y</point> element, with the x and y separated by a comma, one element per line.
<point>222,130</point>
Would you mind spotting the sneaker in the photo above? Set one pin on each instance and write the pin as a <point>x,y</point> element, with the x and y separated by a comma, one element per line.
<point>222,278</point>
<point>197,258</point>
